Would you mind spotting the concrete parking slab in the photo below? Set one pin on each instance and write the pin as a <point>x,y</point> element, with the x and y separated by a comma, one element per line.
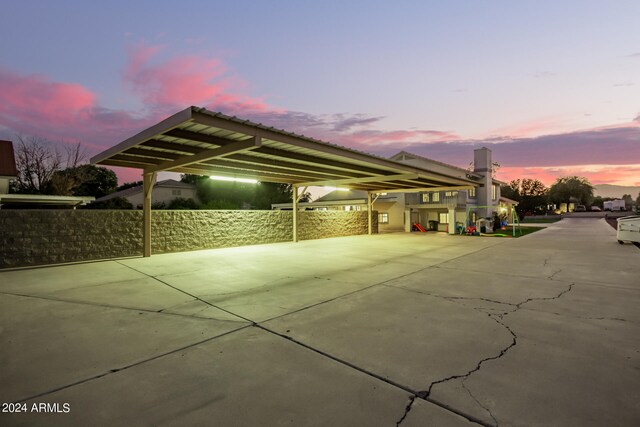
<point>46,279</point>
<point>399,329</point>
<point>562,372</point>
<point>249,378</point>
<point>403,336</point>
<point>52,344</point>
<point>144,293</point>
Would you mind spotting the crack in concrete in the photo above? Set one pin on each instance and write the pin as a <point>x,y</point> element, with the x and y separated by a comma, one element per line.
<point>555,313</point>
<point>454,298</point>
<point>520,304</point>
<point>486,359</point>
<point>498,318</point>
<point>479,404</point>
<point>407,409</point>
<point>553,274</point>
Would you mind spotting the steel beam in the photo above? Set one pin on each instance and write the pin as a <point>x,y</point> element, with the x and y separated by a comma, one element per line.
<point>235,147</point>
<point>423,189</point>
<point>347,181</point>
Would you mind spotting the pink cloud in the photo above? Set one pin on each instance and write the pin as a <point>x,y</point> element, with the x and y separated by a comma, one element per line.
<point>185,80</point>
<point>396,138</point>
<point>532,128</point>
<point>36,98</point>
<point>37,105</point>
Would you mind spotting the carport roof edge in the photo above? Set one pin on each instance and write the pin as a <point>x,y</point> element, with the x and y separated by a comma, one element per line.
<point>198,141</point>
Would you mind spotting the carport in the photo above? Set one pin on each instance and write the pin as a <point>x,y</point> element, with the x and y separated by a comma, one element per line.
<point>198,141</point>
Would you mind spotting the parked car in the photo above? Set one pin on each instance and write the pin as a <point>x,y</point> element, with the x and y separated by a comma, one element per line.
<point>596,209</point>
<point>580,208</point>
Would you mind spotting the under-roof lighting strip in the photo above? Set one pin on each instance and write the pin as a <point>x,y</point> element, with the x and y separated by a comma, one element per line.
<point>228,178</point>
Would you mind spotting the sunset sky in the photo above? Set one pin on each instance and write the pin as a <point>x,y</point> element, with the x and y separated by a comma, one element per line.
<point>552,87</point>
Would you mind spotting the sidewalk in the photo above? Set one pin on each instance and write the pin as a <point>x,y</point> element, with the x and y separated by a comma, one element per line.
<point>401,328</point>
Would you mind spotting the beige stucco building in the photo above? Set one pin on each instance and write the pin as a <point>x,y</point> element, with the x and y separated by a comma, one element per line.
<point>433,210</point>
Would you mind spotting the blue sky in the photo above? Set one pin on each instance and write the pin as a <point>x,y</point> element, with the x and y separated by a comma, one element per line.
<point>436,78</point>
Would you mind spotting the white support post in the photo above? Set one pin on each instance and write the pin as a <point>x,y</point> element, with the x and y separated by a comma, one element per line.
<point>148,180</point>
<point>369,212</point>
<point>295,213</point>
<point>407,220</point>
<point>452,221</point>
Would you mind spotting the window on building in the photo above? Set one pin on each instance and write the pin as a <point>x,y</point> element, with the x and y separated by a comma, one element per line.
<point>472,192</point>
<point>494,192</point>
<point>425,198</point>
<point>435,197</point>
<point>383,218</point>
<point>322,209</point>
<point>450,193</point>
<point>444,218</point>
<point>176,192</point>
<point>352,208</point>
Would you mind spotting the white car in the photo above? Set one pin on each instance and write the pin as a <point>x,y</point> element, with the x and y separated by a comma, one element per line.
<point>596,209</point>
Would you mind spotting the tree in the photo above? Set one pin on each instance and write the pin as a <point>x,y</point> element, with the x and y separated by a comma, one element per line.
<point>572,188</point>
<point>598,201</point>
<point>237,195</point>
<point>84,180</point>
<point>38,160</point>
<point>191,179</point>
<point>96,181</point>
<point>511,190</point>
<point>531,195</point>
<point>270,193</point>
<point>129,185</point>
<point>628,201</point>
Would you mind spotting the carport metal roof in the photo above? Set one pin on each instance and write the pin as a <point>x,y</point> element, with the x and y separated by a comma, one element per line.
<point>198,141</point>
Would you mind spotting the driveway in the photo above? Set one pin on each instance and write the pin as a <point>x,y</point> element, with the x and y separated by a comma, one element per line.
<point>398,329</point>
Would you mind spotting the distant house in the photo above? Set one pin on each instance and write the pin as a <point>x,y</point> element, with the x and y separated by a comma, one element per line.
<point>163,192</point>
<point>9,171</point>
<point>389,206</point>
<point>433,210</point>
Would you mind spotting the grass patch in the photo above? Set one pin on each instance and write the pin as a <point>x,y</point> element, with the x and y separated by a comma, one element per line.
<point>527,230</point>
<point>508,233</point>
<point>540,220</point>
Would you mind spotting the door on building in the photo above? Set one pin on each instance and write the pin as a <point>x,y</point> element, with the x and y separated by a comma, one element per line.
<point>415,217</point>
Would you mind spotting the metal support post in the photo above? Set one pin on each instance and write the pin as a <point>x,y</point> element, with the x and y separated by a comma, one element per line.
<point>295,213</point>
<point>148,180</point>
<point>369,211</point>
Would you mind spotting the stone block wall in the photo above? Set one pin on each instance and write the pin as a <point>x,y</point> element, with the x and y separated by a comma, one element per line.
<point>38,237</point>
<point>323,224</point>
<point>178,231</point>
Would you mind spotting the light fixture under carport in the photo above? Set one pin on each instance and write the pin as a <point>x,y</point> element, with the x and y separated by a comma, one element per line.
<point>228,178</point>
